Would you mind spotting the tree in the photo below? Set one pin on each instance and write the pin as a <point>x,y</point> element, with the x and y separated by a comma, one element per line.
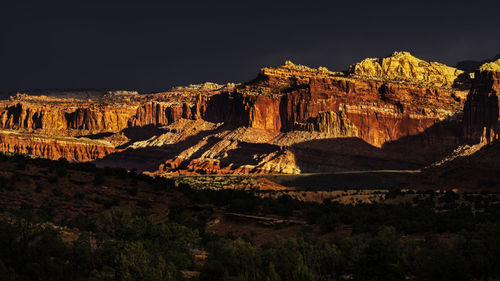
<point>233,260</point>
<point>379,258</point>
<point>114,222</point>
<point>272,275</point>
<point>133,263</point>
<point>436,262</point>
<point>302,273</point>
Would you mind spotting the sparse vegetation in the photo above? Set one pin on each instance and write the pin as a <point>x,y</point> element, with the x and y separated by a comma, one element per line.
<point>410,236</point>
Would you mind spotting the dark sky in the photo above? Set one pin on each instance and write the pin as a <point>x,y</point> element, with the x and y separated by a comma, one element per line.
<point>153,45</point>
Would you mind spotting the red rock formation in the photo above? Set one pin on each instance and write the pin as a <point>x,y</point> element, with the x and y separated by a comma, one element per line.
<point>99,119</point>
<point>332,123</point>
<point>481,111</point>
<point>30,116</point>
<point>264,121</point>
<point>242,109</point>
<point>52,147</point>
<point>291,97</point>
<point>21,116</point>
<point>164,113</point>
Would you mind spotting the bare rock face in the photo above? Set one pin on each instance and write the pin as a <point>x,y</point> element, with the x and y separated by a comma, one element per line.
<point>21,116</point>
<point>38,116</point>
<point>98,119</point>
<point>290,119</point>
<point>335,124</point>
<point>481,111</point>
<point>402,66</point>
<point>157,113</point>
<point>73,149</point>
<point>164,113</point>
<point>491,66</point>
<point>294,97</point>
<point>239,108</point>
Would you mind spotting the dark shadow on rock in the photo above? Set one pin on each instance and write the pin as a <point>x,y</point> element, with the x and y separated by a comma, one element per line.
<point>98,136</point>
<point>462,82</point>
<point>140,133</point>
<point>410,152</point>
<point>334,155</point>
<point>149,158</point>
<point>432,144</point>
<point>245,154</point>
<point>143,132</point>
<point>476,172</point>
<point>321,155</point>
<point>246,151</point>
<point>343,154</point>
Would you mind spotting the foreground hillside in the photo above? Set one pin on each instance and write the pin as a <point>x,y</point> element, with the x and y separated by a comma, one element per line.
<point>62,221</point>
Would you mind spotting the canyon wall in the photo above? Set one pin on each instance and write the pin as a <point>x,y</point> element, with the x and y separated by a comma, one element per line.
<point>481,111</point>
<point>289,119</point>
<point>295,97</point>
<point>54,147</point>
<point>164,113</point>
<point>28,116</point>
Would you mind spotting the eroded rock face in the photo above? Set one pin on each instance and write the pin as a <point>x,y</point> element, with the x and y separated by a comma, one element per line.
<point>493,66</point>
<point>294,97</point>
<point>160,113</point>
<point>93,119</point>
<point>335,124</point>
<point>402,66</point>
<point>481,111</point>
<point>290,119</point>
<point>53,147</point>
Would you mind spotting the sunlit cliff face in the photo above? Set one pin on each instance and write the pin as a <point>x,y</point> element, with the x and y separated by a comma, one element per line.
<point>290,119</point>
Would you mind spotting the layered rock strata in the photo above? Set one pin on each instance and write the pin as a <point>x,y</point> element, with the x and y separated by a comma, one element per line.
<point>290,119</point>
<point>53,147</point>
<point>481,111</point>
<point>295,97</point>
<point>402,66</point>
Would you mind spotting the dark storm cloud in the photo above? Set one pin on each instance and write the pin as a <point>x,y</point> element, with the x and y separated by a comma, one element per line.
<point>153,45</point>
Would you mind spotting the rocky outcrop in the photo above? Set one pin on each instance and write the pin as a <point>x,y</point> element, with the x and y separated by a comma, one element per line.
<point>402,66</point>
<point>99,119</point>
<point>20,116</point>
<point>294,97</point>
<point>239,108</point>
<point>95,119</point>
<point>164,113</point>
<point>52,147</point>
<point>290,119</point>
<point>481,111</point>
<point>335,124</point>
<point>493,66</point>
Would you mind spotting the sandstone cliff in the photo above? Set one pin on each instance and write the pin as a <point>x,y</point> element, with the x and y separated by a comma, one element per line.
<point>53,147</point>
<point>481,111</point>
<point>294,97</point>
<point>402,66</point>
<point>491,66</point>
<point>163,113</point>
<point>64,116</point>
<point>290,119</point>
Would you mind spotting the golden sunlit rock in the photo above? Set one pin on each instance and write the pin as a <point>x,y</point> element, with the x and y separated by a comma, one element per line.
<point>402,66</point>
